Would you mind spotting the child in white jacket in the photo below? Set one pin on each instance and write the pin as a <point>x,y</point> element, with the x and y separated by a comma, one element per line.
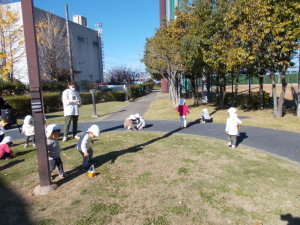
<point>84,143</point>
<point>28,130</point>
<point>231,129</point>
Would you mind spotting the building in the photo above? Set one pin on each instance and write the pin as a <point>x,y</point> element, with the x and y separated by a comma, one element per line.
<point>167,9</point>
<point>86,45</point>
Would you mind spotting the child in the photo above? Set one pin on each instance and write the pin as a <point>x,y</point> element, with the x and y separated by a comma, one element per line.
<point>205,117</point>
<point>183,110</point>
<point>5,150</point>
<point>52,133</point>
<point>140,122</point>
<point>231,129</point>
<point>28,130</point>
<point>84,143</point>
<point>129,123</point>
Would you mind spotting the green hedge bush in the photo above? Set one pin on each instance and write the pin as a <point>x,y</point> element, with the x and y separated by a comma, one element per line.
<point>15,88</point>
<point>52,102</point>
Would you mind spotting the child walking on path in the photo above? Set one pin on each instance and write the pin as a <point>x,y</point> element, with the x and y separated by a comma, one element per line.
<point>231,129</point>
<point>84,143</point>
<point>52,133</point>
<point>183,109</point>
<point>28,130</point>
<point>5,150</point>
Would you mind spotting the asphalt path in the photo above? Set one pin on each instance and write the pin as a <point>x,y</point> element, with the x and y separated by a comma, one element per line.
<point>276,142</point>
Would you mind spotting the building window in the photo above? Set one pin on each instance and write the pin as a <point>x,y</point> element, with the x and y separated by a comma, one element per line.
<point>81,39</point>
<point>96,43</point>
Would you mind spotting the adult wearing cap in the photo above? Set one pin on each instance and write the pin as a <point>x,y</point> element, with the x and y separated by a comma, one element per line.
<point>84,145</point>
<point>5,150</point>
<point>52,133</point>
<point>71,101</point>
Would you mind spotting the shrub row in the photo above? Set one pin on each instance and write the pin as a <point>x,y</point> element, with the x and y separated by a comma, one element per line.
<point>53,103</point>
<point>138,90</point>
<point>16,87</point>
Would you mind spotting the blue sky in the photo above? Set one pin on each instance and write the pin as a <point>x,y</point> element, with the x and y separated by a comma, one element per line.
<point>126,25</point>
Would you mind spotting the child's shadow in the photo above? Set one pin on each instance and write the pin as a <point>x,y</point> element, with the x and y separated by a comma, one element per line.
<point>241,137</point>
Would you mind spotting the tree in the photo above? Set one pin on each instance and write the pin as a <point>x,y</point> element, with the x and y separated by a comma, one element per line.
<point>52,47</point>
<point>12,44</point>
<point>123,75</point>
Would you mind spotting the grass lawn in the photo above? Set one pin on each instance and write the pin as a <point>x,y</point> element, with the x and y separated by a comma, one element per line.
<point>162,109</point>
<point>154,178</point>
<point>86,111</point>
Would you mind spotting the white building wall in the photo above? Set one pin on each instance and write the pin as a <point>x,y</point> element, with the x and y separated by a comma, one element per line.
<point>87,59</point>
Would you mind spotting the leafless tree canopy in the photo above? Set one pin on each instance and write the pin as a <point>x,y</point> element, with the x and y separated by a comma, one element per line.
<point>52,47</point>
<point>124,75</point>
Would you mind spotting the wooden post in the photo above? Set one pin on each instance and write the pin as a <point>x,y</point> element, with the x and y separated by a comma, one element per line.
<point>35,91</point>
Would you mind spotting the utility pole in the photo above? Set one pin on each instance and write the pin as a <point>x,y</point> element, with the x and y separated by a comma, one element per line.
<point>69,45</point>
<point>36,98</point>
<point>298,100</point>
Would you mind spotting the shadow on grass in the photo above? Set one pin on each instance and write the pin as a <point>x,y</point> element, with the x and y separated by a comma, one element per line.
<point>24,152</point>
<point>53,116</point>
<point>68,147</point>
<point>14,209</point>
<point>291,220</point>
<point>112,157</point>
<point>10,164</point>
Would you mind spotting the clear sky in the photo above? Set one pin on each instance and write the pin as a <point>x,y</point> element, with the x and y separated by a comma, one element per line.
<point>126,25</point>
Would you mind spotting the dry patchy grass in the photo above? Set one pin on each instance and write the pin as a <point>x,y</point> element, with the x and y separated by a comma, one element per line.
<point>148,178</point>
<point>162,109</point>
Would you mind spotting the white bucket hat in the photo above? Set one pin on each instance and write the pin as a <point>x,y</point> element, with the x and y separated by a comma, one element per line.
<point>137,115</point>
<point>6,140</point>
<point>131,117</point>
<point>95,130</point>
<point>28,119</point>
<point>50,128</point>
<point>181,101</point>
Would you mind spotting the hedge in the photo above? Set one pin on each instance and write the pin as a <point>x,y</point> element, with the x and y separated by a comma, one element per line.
<point>53,102</point>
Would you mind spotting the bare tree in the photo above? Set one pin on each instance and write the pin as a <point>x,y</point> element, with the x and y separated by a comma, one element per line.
<point>52,47</point>
<point>123,75</point>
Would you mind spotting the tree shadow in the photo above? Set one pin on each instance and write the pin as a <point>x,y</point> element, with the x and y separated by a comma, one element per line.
<point>53,116</point>
<point>241,137</point>
<point>112,157</point>
<point>68,147</point>
<point>11,163</point>
<point>290,219</point>
<point>24,152</point>
<point>112,128</point>
<point>14,209</point>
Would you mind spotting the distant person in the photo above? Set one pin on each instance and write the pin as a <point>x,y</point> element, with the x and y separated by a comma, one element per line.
<point>232,127</point>
<point>84,146</point>
<point>52,133</point>
<point>183,110</point>
<point>205,117</point>
<point>4,104</point>
<point>71,101</point>
<point>130,122</point>
<point>5,151</point>
<point>140,122</point>
<point>28,131</point>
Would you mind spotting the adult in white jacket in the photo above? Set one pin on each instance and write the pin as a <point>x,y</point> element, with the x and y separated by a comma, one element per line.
<point>71,101</point>
<point>231,129</point>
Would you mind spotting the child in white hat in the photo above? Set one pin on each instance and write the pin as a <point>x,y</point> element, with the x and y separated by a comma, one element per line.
<point>52,133</point>
<point>28,130</point>
<point>5,151</point>
<point>205,117</point>
<point>129,123</point>
<point>84,147</point>
<point>140,122</point>
<point>231,129</point>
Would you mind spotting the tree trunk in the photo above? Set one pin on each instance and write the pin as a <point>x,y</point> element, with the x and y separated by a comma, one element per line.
<point>274,94</point>
<point>204,89</point>
<point>236,91</point>
<point>222,91</point>
<point>282,94</point>
<point>261,93</point>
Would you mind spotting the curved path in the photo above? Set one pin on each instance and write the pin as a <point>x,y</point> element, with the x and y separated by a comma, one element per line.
<point>281,143</point>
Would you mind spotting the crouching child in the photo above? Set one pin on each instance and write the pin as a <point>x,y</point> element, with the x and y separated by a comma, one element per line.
<point>52,133</point>
<point>84,145</point>
<point>5,151</point>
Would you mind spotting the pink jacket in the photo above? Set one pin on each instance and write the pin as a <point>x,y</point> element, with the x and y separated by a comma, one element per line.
<point>183,110</point>
<point>4,148</point>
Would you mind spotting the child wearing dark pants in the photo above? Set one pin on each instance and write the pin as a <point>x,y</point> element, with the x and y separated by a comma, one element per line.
<point>84,144</point>
<point>232,124</point>
<point>52,133</point>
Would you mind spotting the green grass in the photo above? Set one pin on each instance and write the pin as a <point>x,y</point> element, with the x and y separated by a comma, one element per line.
<point>86,111</point>
<point>162,109</point>
<point>162,183</point>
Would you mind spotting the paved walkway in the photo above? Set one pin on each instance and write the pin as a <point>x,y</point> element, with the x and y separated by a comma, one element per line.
<point>281,143</point>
